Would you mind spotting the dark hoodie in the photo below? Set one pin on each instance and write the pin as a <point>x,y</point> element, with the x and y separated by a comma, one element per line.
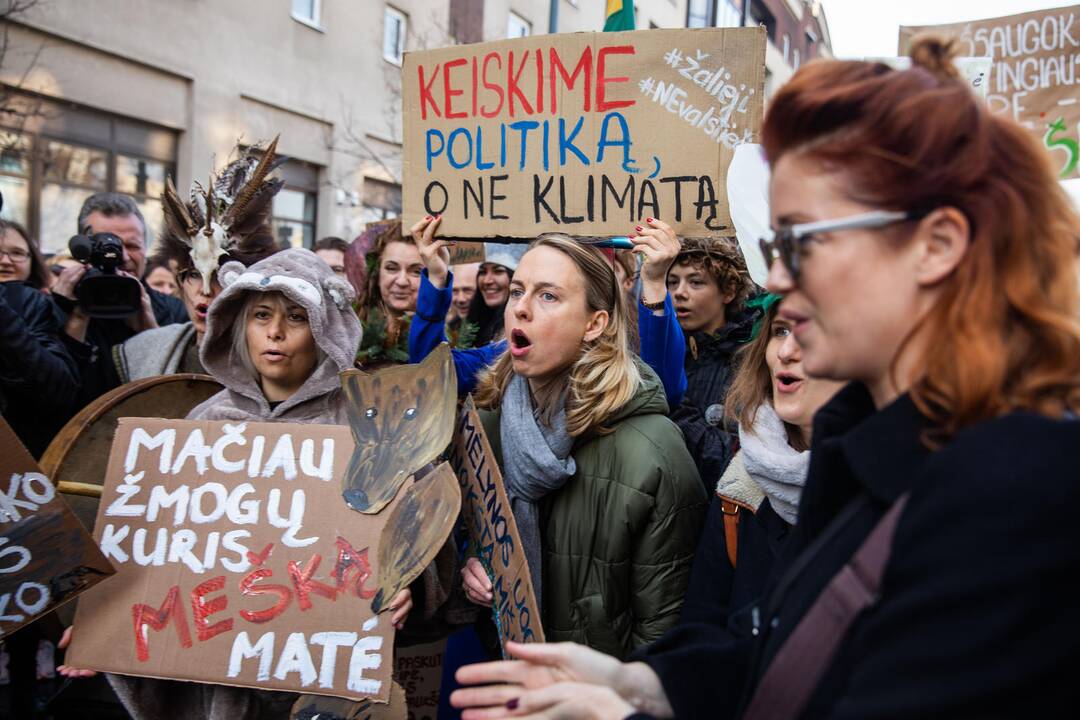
<point>710,369</point>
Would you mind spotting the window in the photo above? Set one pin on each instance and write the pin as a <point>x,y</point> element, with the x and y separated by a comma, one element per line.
<point>15,169</point>
<point>699,13</point>
<point>395,25</point>
<point>46,175</point>
<point>294,218</point>
<point>727,15</point>
<point>382,200</point>
<point>306,11</point>
<point>795,59</point>
<point>787,47</point>
<point>517,26</point>
<point>760,15</point>
<point>295,204</point>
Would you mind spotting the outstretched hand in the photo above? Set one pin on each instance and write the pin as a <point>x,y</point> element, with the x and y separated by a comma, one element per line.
<point>434,253</point>
<point>538,666</point>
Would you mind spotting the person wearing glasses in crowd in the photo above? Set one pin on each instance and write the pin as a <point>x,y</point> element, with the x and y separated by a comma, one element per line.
<point>926,253</point>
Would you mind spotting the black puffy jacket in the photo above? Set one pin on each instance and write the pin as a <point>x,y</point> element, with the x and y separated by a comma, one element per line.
<point>38,377</point>
<point>709,371</point>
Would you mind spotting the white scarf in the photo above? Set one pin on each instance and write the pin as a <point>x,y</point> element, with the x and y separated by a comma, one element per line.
<point>779,469</point>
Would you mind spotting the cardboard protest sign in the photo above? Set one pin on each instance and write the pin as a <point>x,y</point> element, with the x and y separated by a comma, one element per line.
<point>46,555</point>
<point>493,531</point>
<point>1035,73</point>
<point>238,562</point>
<point>584,133</point>
<point>418,669</point>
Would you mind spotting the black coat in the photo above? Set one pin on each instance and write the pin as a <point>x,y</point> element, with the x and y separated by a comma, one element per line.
<point>977,616</point>
<point>38,377</point>
<point>709,372</point>
<point>719,600</point>
<point>94,356</point>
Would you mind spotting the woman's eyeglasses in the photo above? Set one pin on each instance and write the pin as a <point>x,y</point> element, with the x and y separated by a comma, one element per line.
<point>15,255</point>
<point>788,240</point>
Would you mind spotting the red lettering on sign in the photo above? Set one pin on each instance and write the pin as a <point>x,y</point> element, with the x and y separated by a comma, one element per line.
<point>304,585</point>
<point>603,105</point>
<point>352,569</point>
<point>201,610</point>
<point>449,93</point>
<point>145,616</point>
<point>248,587</point>
<point>512,80</point>
<point>584,66</point>
<point>488,85</point>
<point>425,92</point>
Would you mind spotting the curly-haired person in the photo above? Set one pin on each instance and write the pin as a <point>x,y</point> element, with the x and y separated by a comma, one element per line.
<point>709,286</point>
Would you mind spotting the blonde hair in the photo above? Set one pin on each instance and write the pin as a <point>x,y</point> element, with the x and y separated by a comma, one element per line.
<point>605,377</point>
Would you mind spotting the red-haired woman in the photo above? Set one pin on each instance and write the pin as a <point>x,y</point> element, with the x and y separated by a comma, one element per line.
<point>926,253</point>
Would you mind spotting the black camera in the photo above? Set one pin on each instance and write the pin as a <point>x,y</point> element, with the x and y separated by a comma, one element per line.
<point>102,292</point>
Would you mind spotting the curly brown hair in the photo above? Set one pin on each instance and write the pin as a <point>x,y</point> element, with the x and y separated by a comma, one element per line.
<point>723,261</point>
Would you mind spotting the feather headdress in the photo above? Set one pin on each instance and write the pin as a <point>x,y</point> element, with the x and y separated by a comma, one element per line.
<point>228,217</point>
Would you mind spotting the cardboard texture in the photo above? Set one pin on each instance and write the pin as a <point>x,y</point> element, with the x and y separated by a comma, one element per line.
<point>462,253</point>
<point>237,561</point>
<point>493,530</point>
<point>583,133</point>
<point>422,519</point>
<point>1034,76</point>
<point>46,555</point>
<point>418,669</point>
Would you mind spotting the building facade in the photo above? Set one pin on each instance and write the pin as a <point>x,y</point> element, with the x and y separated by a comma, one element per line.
<point>796,29</point>
<point>119,94</point>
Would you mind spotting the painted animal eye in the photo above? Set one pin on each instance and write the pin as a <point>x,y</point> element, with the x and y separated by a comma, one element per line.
<point>370,413</point>
<point>410,413</point>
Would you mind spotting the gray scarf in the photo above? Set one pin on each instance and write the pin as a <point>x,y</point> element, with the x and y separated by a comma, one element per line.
<point>777,468</point>
<point>536,461</point>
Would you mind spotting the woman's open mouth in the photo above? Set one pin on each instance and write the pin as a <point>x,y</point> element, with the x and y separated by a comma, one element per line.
<point>788,382</point>
<point>201,309</point>
<point>519,343</point>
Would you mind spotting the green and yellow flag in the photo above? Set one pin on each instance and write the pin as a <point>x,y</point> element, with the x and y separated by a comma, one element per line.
<point>620,15</point>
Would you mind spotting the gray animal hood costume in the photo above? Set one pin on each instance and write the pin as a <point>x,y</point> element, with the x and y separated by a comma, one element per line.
<point>308,281</point>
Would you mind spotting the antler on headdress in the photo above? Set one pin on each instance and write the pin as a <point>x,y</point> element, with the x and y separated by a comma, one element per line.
<point>227,208</point>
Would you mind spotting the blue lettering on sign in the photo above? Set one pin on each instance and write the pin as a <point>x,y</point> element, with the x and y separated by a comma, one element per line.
<point>464,146</point>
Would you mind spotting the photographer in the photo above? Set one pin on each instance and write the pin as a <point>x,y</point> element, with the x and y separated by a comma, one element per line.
<point>91,338</point>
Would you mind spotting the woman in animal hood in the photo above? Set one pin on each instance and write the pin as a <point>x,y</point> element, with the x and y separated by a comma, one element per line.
<point>254,381</point>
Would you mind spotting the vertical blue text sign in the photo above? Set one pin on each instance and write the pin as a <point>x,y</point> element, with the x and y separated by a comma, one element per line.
<point>492,530</point>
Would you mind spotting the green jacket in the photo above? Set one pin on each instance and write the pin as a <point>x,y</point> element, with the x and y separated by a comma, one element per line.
<point>619,537</point>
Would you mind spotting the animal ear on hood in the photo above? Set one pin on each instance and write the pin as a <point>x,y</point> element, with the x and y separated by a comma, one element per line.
<point>229,272</point>
<point>340,291</point>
